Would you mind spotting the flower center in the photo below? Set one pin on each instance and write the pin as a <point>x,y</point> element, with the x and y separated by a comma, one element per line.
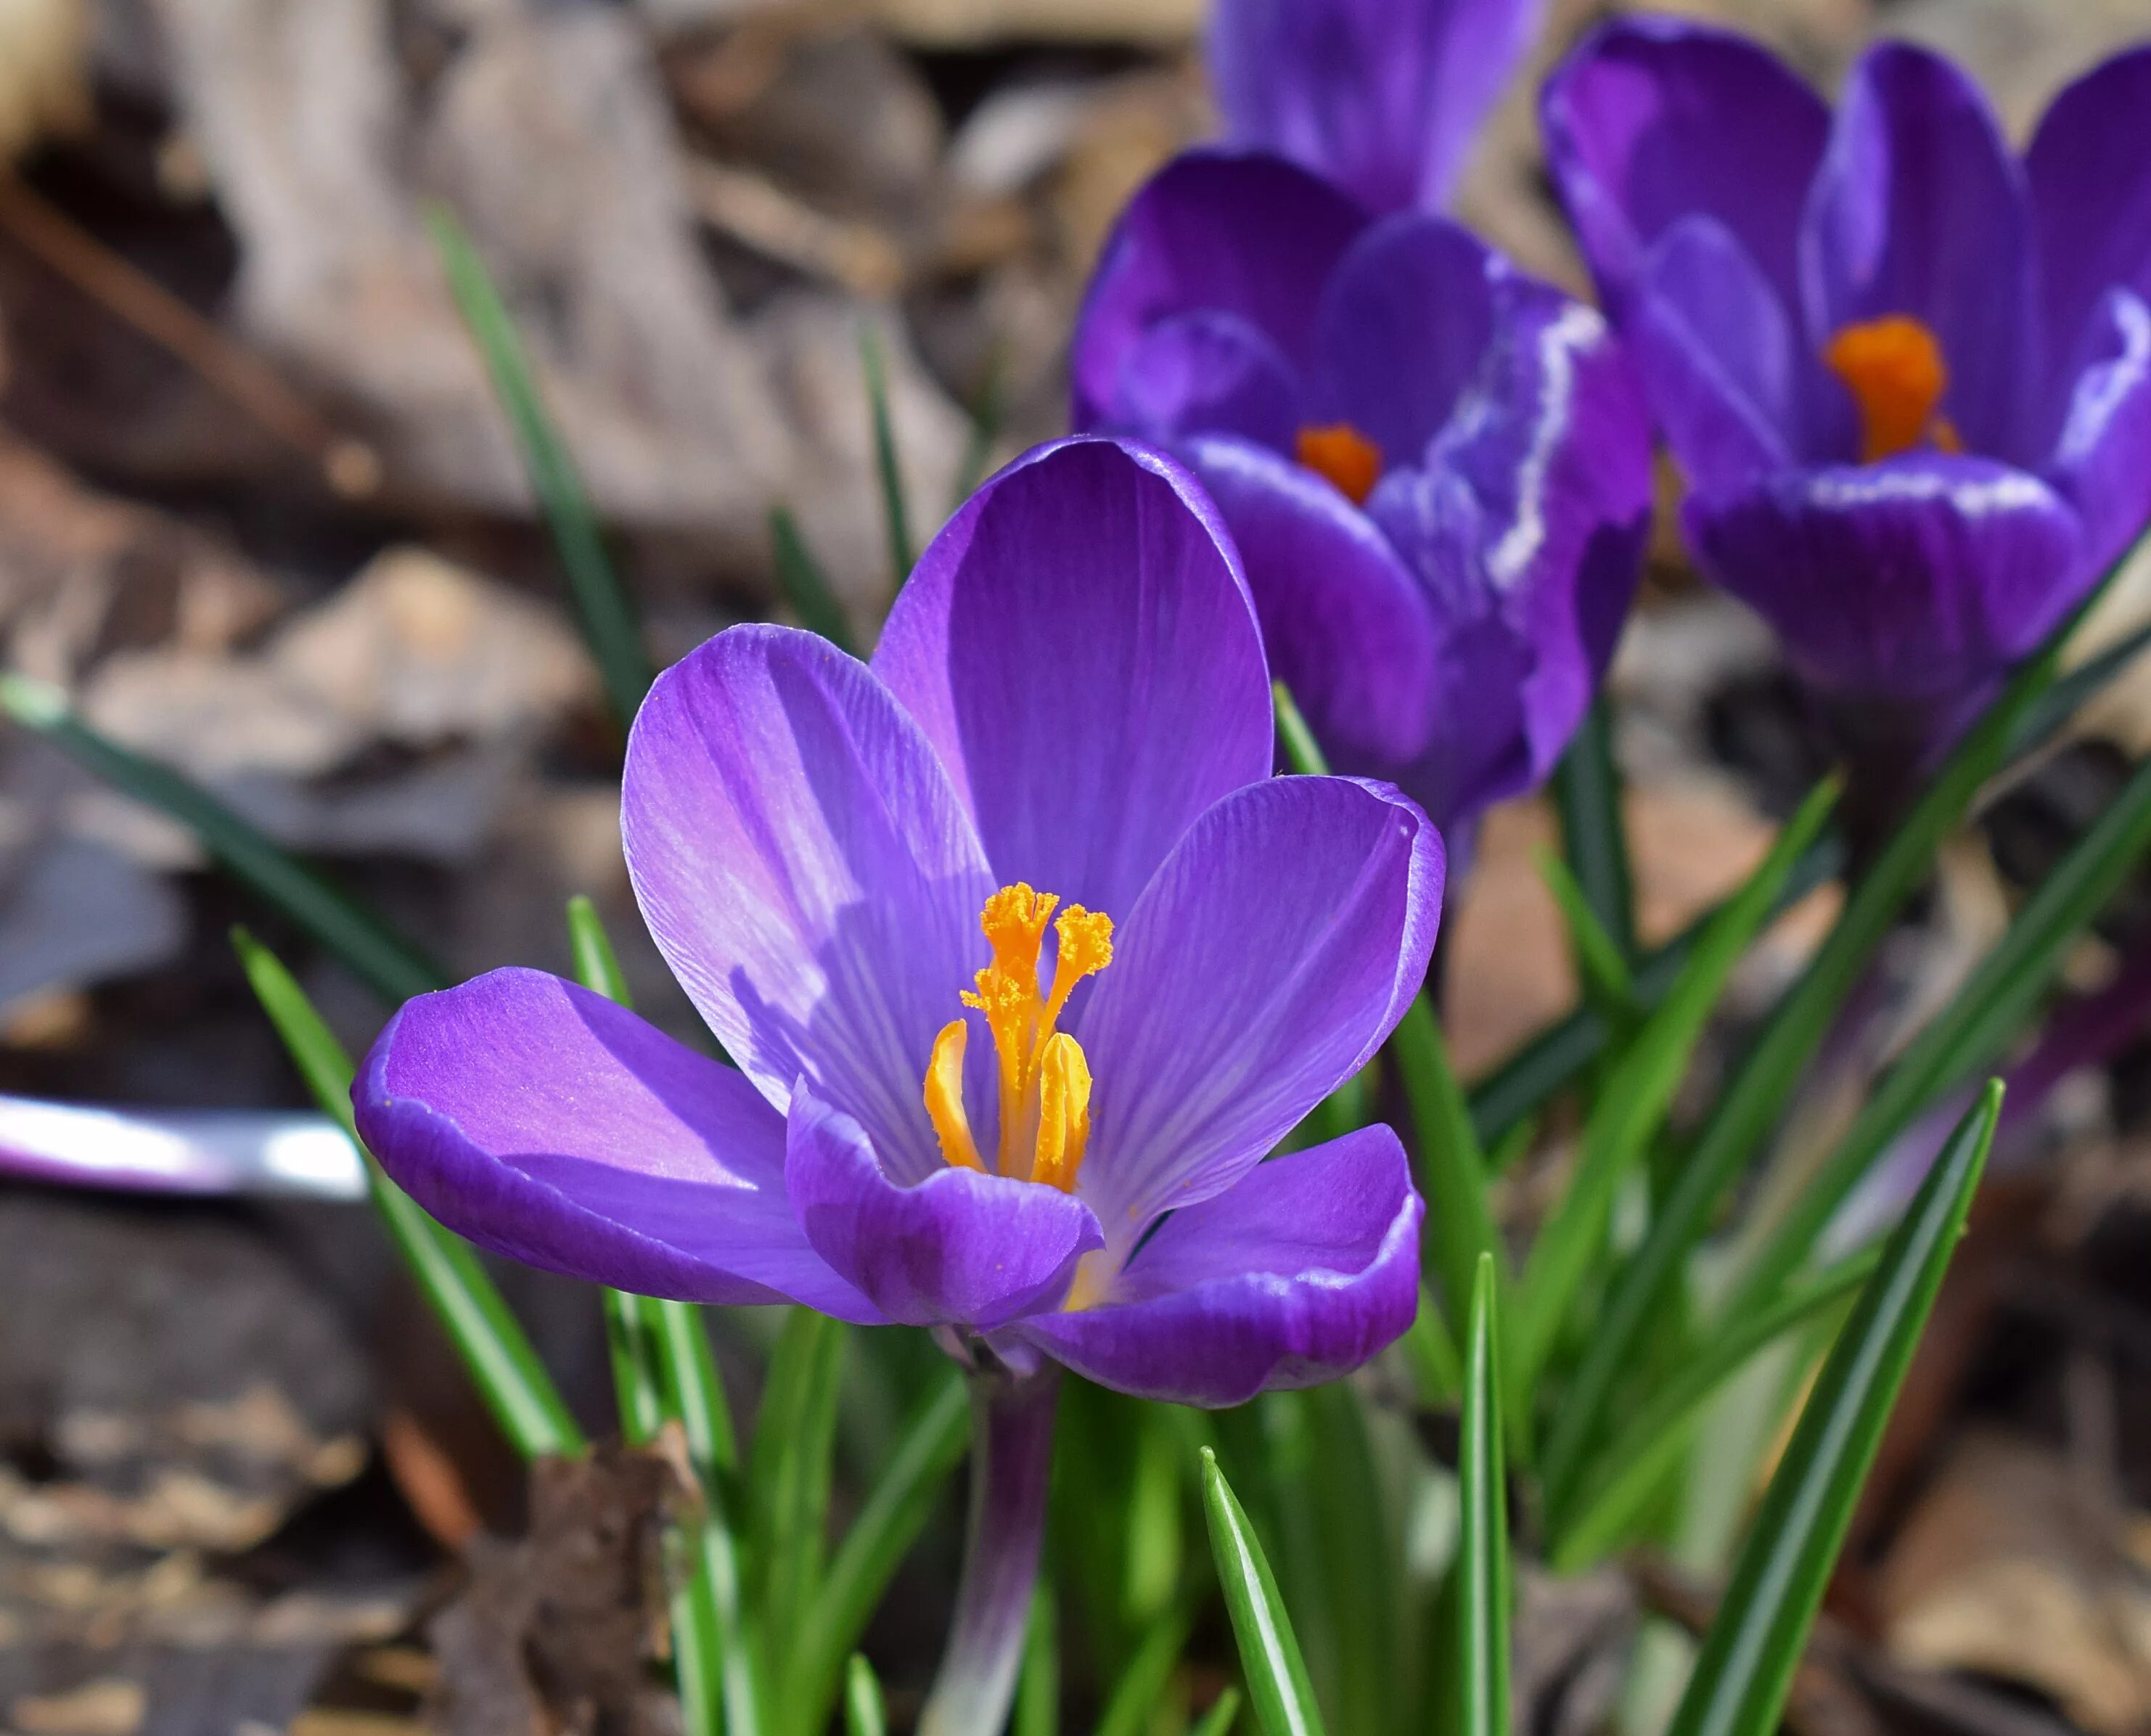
<point>1341,453</point>
<point>1044,1079</point>
<point>1893,368</point>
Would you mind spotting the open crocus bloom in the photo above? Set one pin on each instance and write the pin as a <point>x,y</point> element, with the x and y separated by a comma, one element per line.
<point>1382,97</point>
<point>1437,469</point>
<point>1020,950</point>
<point>1904,371</point>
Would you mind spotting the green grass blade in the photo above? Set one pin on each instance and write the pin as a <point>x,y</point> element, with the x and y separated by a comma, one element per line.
<point>788,1470</point>
<point>1295,739</point>
<point>1218,1719</point>
<point>1607,982</point>
<point>1587,794</point>
<point>1632,1467</point>
<point>609,627</point>
<point>806,586</point>
<point>1038,1687</point>
<point>1142,1681</point>
<point>509,1376</point>
<point>1634,1102</point>
<point>896,519</point>
<point>1452,1169</point>
<point>351,930</point>
<point>1270,1655</point>
<point>931,1446</point>
<point>1482,1549</point>
<point>864,1714</point>
<point>1748,1656</point>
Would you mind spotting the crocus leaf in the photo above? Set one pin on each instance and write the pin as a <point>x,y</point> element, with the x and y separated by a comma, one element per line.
<point>510,1377</point>
<point>608,619</point>
<point>1437,1369</point>
<point>806,586</point>
<point>1038,1687</point>
<point>1482,1548</point>
<point>1141,1684</point>
<point>1586,793</point>
<point>1452,1169</point>
<point>1639,1090</point>
<point>343,924</point>
<point>788,1470</point>
<point>863,1712</point>
<point>896,521</point>
<point>1356,1556</point>
<point>1296,741</point>
<point>1745,1668</point>
<point>1607,981</point>
<point>1218,1719</point>
<point>989,409</point>
<point>1270,1655</point>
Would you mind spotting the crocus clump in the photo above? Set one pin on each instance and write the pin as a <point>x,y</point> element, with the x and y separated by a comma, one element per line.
<point>1019,948</point>
<point>1437,469</point>
<point>1903,370</point>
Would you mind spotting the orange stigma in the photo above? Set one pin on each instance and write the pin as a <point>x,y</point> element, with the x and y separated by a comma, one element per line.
<point>1045,1078</point>
<point>1893,368</point>
<point>1346,457</point>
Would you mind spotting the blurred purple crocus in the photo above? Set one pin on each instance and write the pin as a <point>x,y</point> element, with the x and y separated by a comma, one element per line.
<point>1436,468</point>
<point>1028,963</point>
<point>1903,370</point>
<point>1383,97</point>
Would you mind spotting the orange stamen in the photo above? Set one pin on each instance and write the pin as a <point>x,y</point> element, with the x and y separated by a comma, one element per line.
<point>1896,372</point>
<point>1346,457</point>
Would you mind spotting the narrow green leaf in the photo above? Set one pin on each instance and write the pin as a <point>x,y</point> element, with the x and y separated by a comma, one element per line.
<point>1749,1655</point>
<point>1482,1549</point>
<point>1218,1719</point>
<point>1358,1557</point>
<point>509,1375</point>
<point>1635,1100</point>
<point>1038,1687</point>
<point>597,965</point>
<point>1586,793</point>
<point>864,1713</point>
<point>988,410</point>
<point>1270,1655</point>
<point>1295,739</point>
<point>788,1470</point>
<point>806,586</point>
<point>1607,982</point>
<point>634,1382</point>
<point>1632,1467</point>
<point>896,520</point>
<point>1452,1169</point>
<point>608,619</point>
<point>931,1446</point>
<point>1437,1369</point>
<point>1141,1683</point>
<point>351,930</point>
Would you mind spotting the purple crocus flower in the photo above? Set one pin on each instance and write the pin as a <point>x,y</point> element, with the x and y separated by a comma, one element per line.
<point>1903,370</point>
<point>1036,1126</point>
<point>1383,97</point>
<point>1436,468</point>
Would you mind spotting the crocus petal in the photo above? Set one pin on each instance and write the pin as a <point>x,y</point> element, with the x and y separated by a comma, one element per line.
<point>961,1248</point>
<point>1207,372</point>
<point>1302,1271</point>
<point>1250,235</point>
<point>2091,195</point>
<point>1650,120</point>
<point>1275,950</point>
<point>1912,578</point>
<point>545,1123</point>
<point>1405,324</point>
<point>1347,625</point>
<point>1383,97</point>
<point>1079,646</point>
<point>808,873</point>
<point>1920,209</point>
<point>2102,460</point>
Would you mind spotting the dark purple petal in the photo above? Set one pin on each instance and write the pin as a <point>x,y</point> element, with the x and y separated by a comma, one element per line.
<point>1382,96</point>
<point>2090,177</point>
<point>1207,372</point>
<point>2102,459</point>
<point>1079,646</point>
<point>545,1123</point>
<point>1273,953</point>
<point>962,1248</point>
<point>1651,120</point>
<point>1405,324</point>
<point>1246,235</point>
<point>808,873</point>
<point>1914,579</point>
<point>1919,208</point>
<point>1300,1272</point>
<point>1345,623</point>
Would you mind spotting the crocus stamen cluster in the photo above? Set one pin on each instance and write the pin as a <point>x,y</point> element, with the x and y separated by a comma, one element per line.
<point>1896,372</point>
<point>1340,452</point>
<point>1045,1076</point>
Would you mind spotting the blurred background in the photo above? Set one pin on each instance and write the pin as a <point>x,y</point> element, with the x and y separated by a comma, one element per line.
<point>262,515</point>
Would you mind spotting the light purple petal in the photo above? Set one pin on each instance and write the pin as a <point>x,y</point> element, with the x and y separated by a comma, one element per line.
<point>1079,646</point>
<point>1405,323</point>
<point>1912,580</point>
<point>808,873</point>
<point>1273,953</point>
<point>545,1123</point>
<point>2101,458</point>
<point>1246,235</point>
<point>1301,1272</point>
<point>1920,209</point>
<point>1651,120</point>
<point>2090,179</point>
<point>1207,372</point>
<point>961,1248</point>
<point>1345,623</point>
<point>1382,96</point>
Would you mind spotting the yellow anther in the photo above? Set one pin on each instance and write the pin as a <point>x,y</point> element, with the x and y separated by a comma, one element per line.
<point>1341,453</point>
<point>1064,1112</point>
<point>1895,369</point>
<point>944,1097</point>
